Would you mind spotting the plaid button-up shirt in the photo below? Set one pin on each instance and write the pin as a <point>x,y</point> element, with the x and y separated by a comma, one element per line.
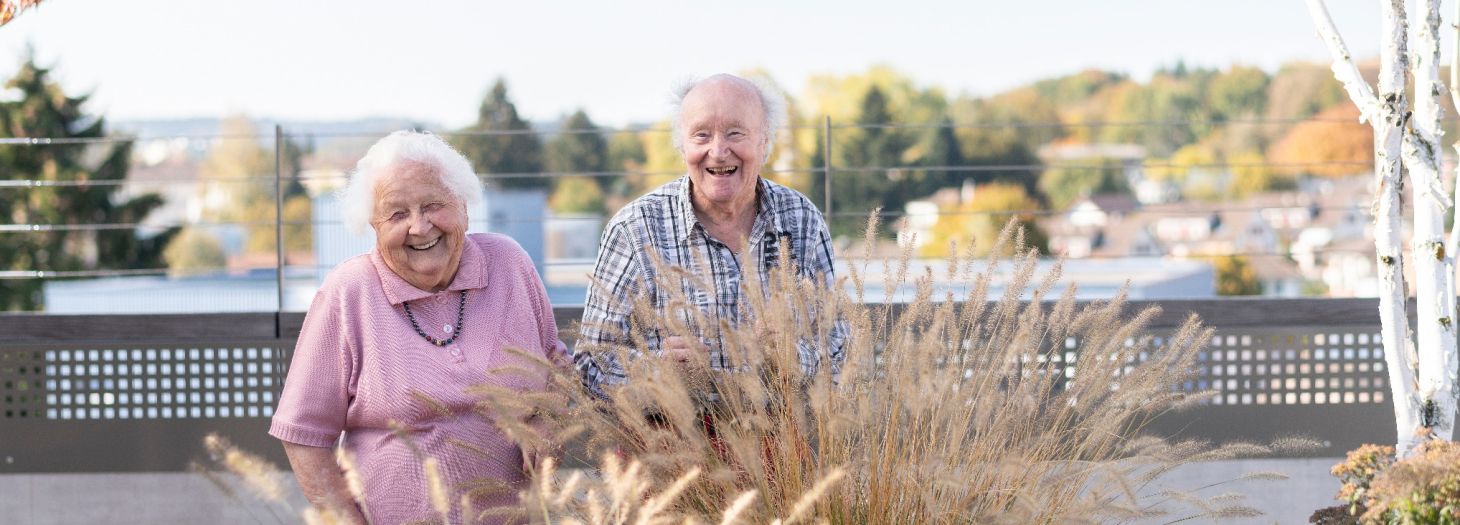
<point>662,225</point>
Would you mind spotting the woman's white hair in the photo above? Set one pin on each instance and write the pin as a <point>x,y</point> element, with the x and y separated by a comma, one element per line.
<point>400,150</point>
<point>772,104</point>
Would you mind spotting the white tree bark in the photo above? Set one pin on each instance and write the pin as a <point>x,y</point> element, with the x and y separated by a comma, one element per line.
<point>1388,113</point>
<point>1434,268</point>
<point>1454,240</point>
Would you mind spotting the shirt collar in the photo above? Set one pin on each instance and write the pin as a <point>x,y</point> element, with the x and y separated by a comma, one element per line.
<point>470,273</point>
<point>766,218</point>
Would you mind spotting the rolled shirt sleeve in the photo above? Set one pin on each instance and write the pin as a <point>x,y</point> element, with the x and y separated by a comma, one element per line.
<point>821,268</point>
<point>611,295</point>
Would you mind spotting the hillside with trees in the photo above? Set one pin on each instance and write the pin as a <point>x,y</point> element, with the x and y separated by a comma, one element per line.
<point>1214,134</point>
<point>1208,134</point>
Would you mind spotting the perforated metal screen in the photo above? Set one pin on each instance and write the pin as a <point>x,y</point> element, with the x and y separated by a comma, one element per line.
<point>144,404</point>
<point>1294,367</point>
<point>234,381</point>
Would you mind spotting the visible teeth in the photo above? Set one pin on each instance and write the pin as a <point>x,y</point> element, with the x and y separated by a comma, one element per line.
<point>426,246</point>
<point>721,171</point>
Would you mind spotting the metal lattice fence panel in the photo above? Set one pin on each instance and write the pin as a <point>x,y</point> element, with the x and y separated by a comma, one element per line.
<point>139,393</point>
<point>142,401</point>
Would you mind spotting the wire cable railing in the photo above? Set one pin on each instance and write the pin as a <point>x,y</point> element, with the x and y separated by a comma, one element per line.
<point>1010,124</point>
<point>291,267</point>
<point>1194,211</point>
<point>191,173</point>
<point>52,183</point>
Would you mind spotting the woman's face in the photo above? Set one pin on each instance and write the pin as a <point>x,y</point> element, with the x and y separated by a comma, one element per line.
<point>420,226</point>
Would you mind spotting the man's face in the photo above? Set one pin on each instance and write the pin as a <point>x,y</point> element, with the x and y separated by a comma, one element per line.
<point>723,127</point>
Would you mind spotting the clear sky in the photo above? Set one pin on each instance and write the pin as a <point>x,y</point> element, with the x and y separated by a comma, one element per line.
<point>434,60</point>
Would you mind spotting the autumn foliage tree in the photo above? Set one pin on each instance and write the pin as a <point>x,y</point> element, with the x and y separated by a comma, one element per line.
<point>10,8</point>
<point>1332,144</point>
<point>238,188</point>
<point>1235,276</point>
<point>977,222</point>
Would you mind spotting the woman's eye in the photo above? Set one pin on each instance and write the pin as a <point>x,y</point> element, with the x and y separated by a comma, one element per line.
<point>434,206</point>
<point>399,215</point>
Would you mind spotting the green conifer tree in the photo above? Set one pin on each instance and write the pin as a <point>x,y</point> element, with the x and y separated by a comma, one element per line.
<point>63,241</point>
<point>500,142</point>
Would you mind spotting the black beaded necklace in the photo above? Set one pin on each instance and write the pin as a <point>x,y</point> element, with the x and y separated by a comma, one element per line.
<point>455,331</point>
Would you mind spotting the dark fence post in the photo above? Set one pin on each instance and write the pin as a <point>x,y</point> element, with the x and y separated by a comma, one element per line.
<point>279,217</point>
<point>826,166</point>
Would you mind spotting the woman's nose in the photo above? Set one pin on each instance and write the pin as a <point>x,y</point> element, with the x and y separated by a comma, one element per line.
<point>420,225</point>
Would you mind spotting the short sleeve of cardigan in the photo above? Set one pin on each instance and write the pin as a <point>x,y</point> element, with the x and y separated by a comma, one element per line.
<point>318,388</point>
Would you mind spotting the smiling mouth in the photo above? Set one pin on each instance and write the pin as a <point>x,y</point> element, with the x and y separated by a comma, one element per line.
<point>426,246</point>
<point>728,170</point>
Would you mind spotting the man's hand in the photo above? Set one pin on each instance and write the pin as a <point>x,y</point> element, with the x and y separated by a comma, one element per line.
<point>683,350</point>
<point>693,359</point>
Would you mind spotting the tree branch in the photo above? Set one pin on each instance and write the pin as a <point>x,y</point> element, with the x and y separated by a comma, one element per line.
<point>1343,66</point>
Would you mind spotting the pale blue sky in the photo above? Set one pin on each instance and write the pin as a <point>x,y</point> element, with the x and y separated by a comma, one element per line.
<point>434,60</point>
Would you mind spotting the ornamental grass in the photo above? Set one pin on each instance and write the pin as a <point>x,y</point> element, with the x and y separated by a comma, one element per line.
<point>948,409</point>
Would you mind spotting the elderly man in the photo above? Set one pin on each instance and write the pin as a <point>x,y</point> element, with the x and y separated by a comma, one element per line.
<point>706,221</point>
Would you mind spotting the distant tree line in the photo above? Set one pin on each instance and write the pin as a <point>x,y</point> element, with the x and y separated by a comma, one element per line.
<point>893,141</point>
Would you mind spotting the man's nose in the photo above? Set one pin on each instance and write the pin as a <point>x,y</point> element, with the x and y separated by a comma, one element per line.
<point>720,147</point>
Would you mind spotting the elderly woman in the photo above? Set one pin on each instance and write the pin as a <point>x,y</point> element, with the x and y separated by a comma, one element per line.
<point>395,336</point>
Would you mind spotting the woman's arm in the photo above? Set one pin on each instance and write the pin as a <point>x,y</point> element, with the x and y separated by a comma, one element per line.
<point>323,483</point>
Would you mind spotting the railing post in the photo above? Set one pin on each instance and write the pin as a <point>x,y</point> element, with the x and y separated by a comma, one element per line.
<point>826,166</point>
<point>279,217</point>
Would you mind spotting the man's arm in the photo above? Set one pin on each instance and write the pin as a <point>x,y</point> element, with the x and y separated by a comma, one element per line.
<point>821,267</point>
<point>616,279</point>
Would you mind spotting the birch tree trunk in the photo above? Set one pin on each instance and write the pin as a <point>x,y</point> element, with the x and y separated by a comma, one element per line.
<point>1452,248</point>
<point>1434,265</point>
<point>1387,113</point>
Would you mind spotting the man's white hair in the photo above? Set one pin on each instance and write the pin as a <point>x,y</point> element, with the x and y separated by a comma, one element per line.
<point>772,105</point>
<point>401,150</point>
